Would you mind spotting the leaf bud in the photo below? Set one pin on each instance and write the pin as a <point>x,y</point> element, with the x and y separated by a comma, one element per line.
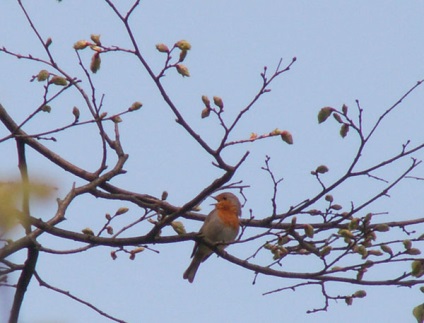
<point>344,130</point>
<point>88,231</point>
<point>387,249</point>
<point>309,230</point>
<point>76,113</point>
<point>206,101</point>
<point>183,55</point>
<point>383,227</point>
<point>337,117</point>
<point>417,268</point>
<point>413,251</point>
<point>58,80</point>
<point>329,198</point>
<point>42,75</point>
<point>135,106</point>
<point>183,45</point>
<point>206,112</point>
<point>182,69</point>
<point>325,251</point>
<point>324,113</point>
<point>218,102</point>
<point>48,42</point>
<point>407,244</point>
<point>81,44</point>
<point>116,119</point>
<point>322,169</point>
<point>287,137</point>
<point>95,62</point>
<point>46,108</point>
<point>178,227</point>
<point>336,207</point>
<point>360,294</point>
<point>346,233</point>
<point>162,48</point>
<point>121,210</point>
<point>96,39</point>
<point>164,195</point>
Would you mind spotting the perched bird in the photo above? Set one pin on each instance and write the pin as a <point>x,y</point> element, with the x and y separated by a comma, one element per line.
<point>220,226</point>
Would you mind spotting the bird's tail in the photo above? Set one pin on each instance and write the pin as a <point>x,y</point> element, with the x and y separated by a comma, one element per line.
<point>192,269</point>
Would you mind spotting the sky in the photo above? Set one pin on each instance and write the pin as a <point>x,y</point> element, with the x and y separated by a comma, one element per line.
<point>346,51</point>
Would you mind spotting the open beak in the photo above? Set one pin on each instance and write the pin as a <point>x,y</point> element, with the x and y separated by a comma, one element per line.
<point>214,197</point>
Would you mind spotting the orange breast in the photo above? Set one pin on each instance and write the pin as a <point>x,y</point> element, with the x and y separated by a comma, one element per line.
<point>228,213</point>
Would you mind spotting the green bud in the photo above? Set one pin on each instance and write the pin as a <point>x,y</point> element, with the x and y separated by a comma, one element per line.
<point>42,75</point>
<point>353,224</point>
<point>325,251</point>
<point>183,55</point>
<point>206,112</point>
<point>329,198</point>
<point>46,108</point>
<point>287,137</point>
<point>346,233</point>
<point>382,227</point>
<point>81,44</point>
<point>88,231</point>
<point>116,119</point>
<point>109,230</point>
<point>322,169</point>
<point>135,106</point>
<point>417,268</point>
<point>336,207</point>
<point>349,300</point>
<point>178,227</point>
<point>95,62</point>
<point>418,313</point>
<point>76,113</point>
<point>344,130</point>
<point>337,117</point>
<point>96,39</point>
<point>309,230</point>
<point>413,252</point>
<point>218,102</point>
<point>58,80</point>
<point>324,113</point>
<point>375,252</point>
<point>121,210</point>
<point>407,244</point>
<point>182,69</point>
<point>360,294</point>
<point>183,45</point>
<point>49,42</point>
<point>387,249</point>
<point>162,48</point>
<point>206,101</point>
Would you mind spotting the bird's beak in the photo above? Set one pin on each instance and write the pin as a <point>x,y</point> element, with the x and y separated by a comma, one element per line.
<point>214,197</point>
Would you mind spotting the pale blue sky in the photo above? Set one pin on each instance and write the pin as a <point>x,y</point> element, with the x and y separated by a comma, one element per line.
<point>346,50</point>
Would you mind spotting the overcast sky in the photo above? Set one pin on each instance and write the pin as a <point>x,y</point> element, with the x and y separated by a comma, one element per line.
<point>372,51</point>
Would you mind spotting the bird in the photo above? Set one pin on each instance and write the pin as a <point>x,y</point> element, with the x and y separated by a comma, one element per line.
<point>221,226</point>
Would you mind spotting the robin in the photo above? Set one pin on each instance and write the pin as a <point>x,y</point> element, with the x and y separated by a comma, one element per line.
<point>220,226</point>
